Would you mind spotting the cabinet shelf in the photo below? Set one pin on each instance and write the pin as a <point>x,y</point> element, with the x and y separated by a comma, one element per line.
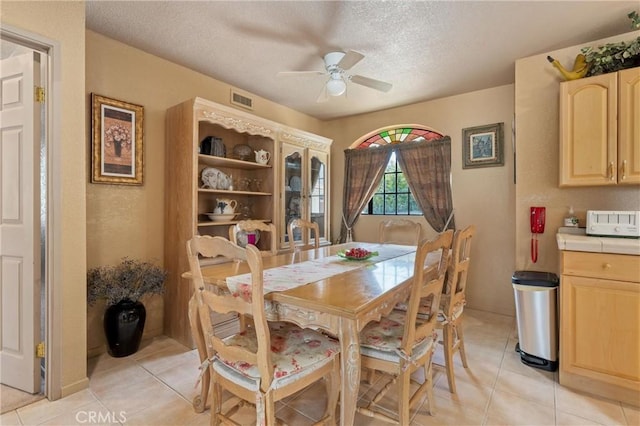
<point>225,191</point>
<point>227,222</point>
<point>212,160</point>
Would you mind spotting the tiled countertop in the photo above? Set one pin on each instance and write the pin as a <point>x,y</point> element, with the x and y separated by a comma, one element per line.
<point>598,244</point>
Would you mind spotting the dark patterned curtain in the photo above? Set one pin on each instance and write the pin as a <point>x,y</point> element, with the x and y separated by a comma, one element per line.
<point>363,170</point>
<point>427,167</point>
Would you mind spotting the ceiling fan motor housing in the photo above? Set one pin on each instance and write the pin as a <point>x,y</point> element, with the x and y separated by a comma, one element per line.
<point>331,61</point>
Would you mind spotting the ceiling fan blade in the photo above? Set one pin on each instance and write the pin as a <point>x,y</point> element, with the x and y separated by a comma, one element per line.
<point>324,96</point>
<point>299,73</point>
<point>372,83</point>
<point>350,59</point>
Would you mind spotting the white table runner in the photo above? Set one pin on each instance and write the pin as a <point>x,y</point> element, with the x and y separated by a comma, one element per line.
<point>297,274</point>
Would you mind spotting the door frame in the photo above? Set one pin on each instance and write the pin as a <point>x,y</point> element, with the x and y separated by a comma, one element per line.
<point>53,253</point>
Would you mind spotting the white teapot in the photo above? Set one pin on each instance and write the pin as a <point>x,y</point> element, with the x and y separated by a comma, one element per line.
<point>225,206</point>
<point>262,156</point>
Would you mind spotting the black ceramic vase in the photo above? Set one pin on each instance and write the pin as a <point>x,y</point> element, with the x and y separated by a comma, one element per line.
<point>123,326</point>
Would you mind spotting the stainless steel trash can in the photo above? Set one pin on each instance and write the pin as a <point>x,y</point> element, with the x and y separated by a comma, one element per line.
<point>536,296</point>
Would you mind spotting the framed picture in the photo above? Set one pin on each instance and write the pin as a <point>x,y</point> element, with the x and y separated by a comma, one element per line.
<point>483,146</point>
<point>117,141</point>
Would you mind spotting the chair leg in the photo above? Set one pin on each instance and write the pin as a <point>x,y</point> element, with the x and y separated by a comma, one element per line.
<point>447,334</point>
<point>216,403</point>
<point>429,379</point>
<point>404,383</point>
<point>460,336</point>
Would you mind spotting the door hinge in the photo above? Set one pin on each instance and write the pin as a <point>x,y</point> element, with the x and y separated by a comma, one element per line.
<point>39,94</point>
<point>40,350</point>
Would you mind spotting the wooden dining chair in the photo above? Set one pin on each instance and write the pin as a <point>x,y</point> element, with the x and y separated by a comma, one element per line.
<point>453,301</point>
<point>399,231</point>
<point>269,360</point>
<point>256,225</point>
<point>308,229</point>
<point>404,342</point>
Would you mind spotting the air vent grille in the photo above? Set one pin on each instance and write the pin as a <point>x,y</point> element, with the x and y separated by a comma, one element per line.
<point>241,100</point>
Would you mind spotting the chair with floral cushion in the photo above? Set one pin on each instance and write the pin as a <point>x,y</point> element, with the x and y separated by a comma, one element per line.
<point>311,229</point>
<point>269,360</point>
<point>404,342</point>
<point>399,231</point>
<point>249,226</point>
<point>453,301</point>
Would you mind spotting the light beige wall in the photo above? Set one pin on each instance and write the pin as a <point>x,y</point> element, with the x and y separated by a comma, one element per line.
<point>483,196</point>
<point>64,23</point>
<point>129,220</point>
<point>537,146</point>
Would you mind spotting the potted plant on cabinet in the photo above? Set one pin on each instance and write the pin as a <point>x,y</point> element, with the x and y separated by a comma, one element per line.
<point>122,286</point>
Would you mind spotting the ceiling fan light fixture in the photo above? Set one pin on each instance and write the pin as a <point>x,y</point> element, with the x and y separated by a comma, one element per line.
<point>336,86</point>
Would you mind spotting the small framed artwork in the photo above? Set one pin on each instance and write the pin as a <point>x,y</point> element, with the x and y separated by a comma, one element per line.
<point>116,129</point>
<point>483,146</point>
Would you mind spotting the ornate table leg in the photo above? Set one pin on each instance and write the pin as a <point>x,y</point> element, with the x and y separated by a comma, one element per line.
<point>350,370</point>
<point>199,401</point>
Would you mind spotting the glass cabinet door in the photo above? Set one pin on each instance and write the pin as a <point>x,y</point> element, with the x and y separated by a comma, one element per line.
<point>293,206</point>
<point>316,192</point>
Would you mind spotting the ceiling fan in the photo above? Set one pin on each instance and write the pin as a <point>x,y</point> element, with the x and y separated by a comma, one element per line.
<point>335,64</point>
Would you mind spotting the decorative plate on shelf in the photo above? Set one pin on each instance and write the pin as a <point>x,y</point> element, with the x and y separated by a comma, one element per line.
<point>357,253</point>
<point>213,178</point>
<point>295,183</point>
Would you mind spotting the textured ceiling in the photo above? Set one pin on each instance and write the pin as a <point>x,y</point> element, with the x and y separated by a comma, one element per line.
<point>426,49</point>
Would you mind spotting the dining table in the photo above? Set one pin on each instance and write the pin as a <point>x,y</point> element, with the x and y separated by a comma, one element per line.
<point>321,289</point>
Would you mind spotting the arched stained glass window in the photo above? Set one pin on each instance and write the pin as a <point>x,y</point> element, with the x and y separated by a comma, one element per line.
<point>393,196</point>
<point>399,135</point>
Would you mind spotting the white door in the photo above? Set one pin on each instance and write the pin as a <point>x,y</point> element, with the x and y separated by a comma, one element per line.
<point>19,225</point>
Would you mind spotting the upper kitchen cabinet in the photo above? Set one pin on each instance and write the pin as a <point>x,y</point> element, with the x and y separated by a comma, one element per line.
<point>600,130</point>
<point>305,179</point>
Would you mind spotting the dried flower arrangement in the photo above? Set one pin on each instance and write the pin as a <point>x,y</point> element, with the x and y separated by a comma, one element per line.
<point>130,279</point>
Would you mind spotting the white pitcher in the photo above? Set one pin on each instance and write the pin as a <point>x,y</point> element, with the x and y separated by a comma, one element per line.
<point>262,156</point>
<point>225,206</point>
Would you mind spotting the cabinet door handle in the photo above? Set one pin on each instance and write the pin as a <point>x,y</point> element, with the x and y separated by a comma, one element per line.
<point>611,177</point>
<point>624,170</point>
<point>606,266</point>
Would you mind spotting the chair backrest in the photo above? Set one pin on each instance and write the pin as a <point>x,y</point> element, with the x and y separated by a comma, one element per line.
<point>222,302</point>
<point>308,229</point>
<point>399,231</point>
<point>454,290</point>
<point>256,225</point>
<point>428,281</point>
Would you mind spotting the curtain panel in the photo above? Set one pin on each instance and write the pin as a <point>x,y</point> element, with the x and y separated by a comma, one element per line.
<point>363,170</point>
<point>427,167</point>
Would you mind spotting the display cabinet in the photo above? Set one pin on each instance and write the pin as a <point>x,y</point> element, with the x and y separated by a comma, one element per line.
<point>206,193</point>
<point>305,179</point>
<point>213,181</point>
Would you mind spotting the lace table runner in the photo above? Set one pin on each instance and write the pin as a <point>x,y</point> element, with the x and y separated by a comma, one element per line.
<point>297,274</point>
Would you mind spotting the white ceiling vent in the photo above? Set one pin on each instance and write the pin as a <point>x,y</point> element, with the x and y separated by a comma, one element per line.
<point>241,99</point>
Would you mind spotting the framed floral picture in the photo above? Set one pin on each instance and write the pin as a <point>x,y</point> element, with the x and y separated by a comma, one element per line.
<point>116,141</point>
<point>483,146</point>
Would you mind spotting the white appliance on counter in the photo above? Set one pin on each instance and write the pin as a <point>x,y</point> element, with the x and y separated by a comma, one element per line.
<point>613,223</point>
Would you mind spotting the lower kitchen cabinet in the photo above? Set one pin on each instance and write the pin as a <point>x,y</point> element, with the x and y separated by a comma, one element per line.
<point>600,324</point>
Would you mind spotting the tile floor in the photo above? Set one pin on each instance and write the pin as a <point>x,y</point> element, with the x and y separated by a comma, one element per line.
<point>155,386</point>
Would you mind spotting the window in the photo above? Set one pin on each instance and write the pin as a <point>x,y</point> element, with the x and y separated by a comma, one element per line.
<point>393,196</point>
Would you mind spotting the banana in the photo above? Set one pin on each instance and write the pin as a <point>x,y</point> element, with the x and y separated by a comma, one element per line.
<point>580,67</point>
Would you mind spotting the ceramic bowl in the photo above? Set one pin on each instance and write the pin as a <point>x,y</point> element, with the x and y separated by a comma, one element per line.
<point>217,217</point>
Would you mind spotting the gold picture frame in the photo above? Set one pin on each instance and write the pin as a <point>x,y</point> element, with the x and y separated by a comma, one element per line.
<point>117,150</point>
